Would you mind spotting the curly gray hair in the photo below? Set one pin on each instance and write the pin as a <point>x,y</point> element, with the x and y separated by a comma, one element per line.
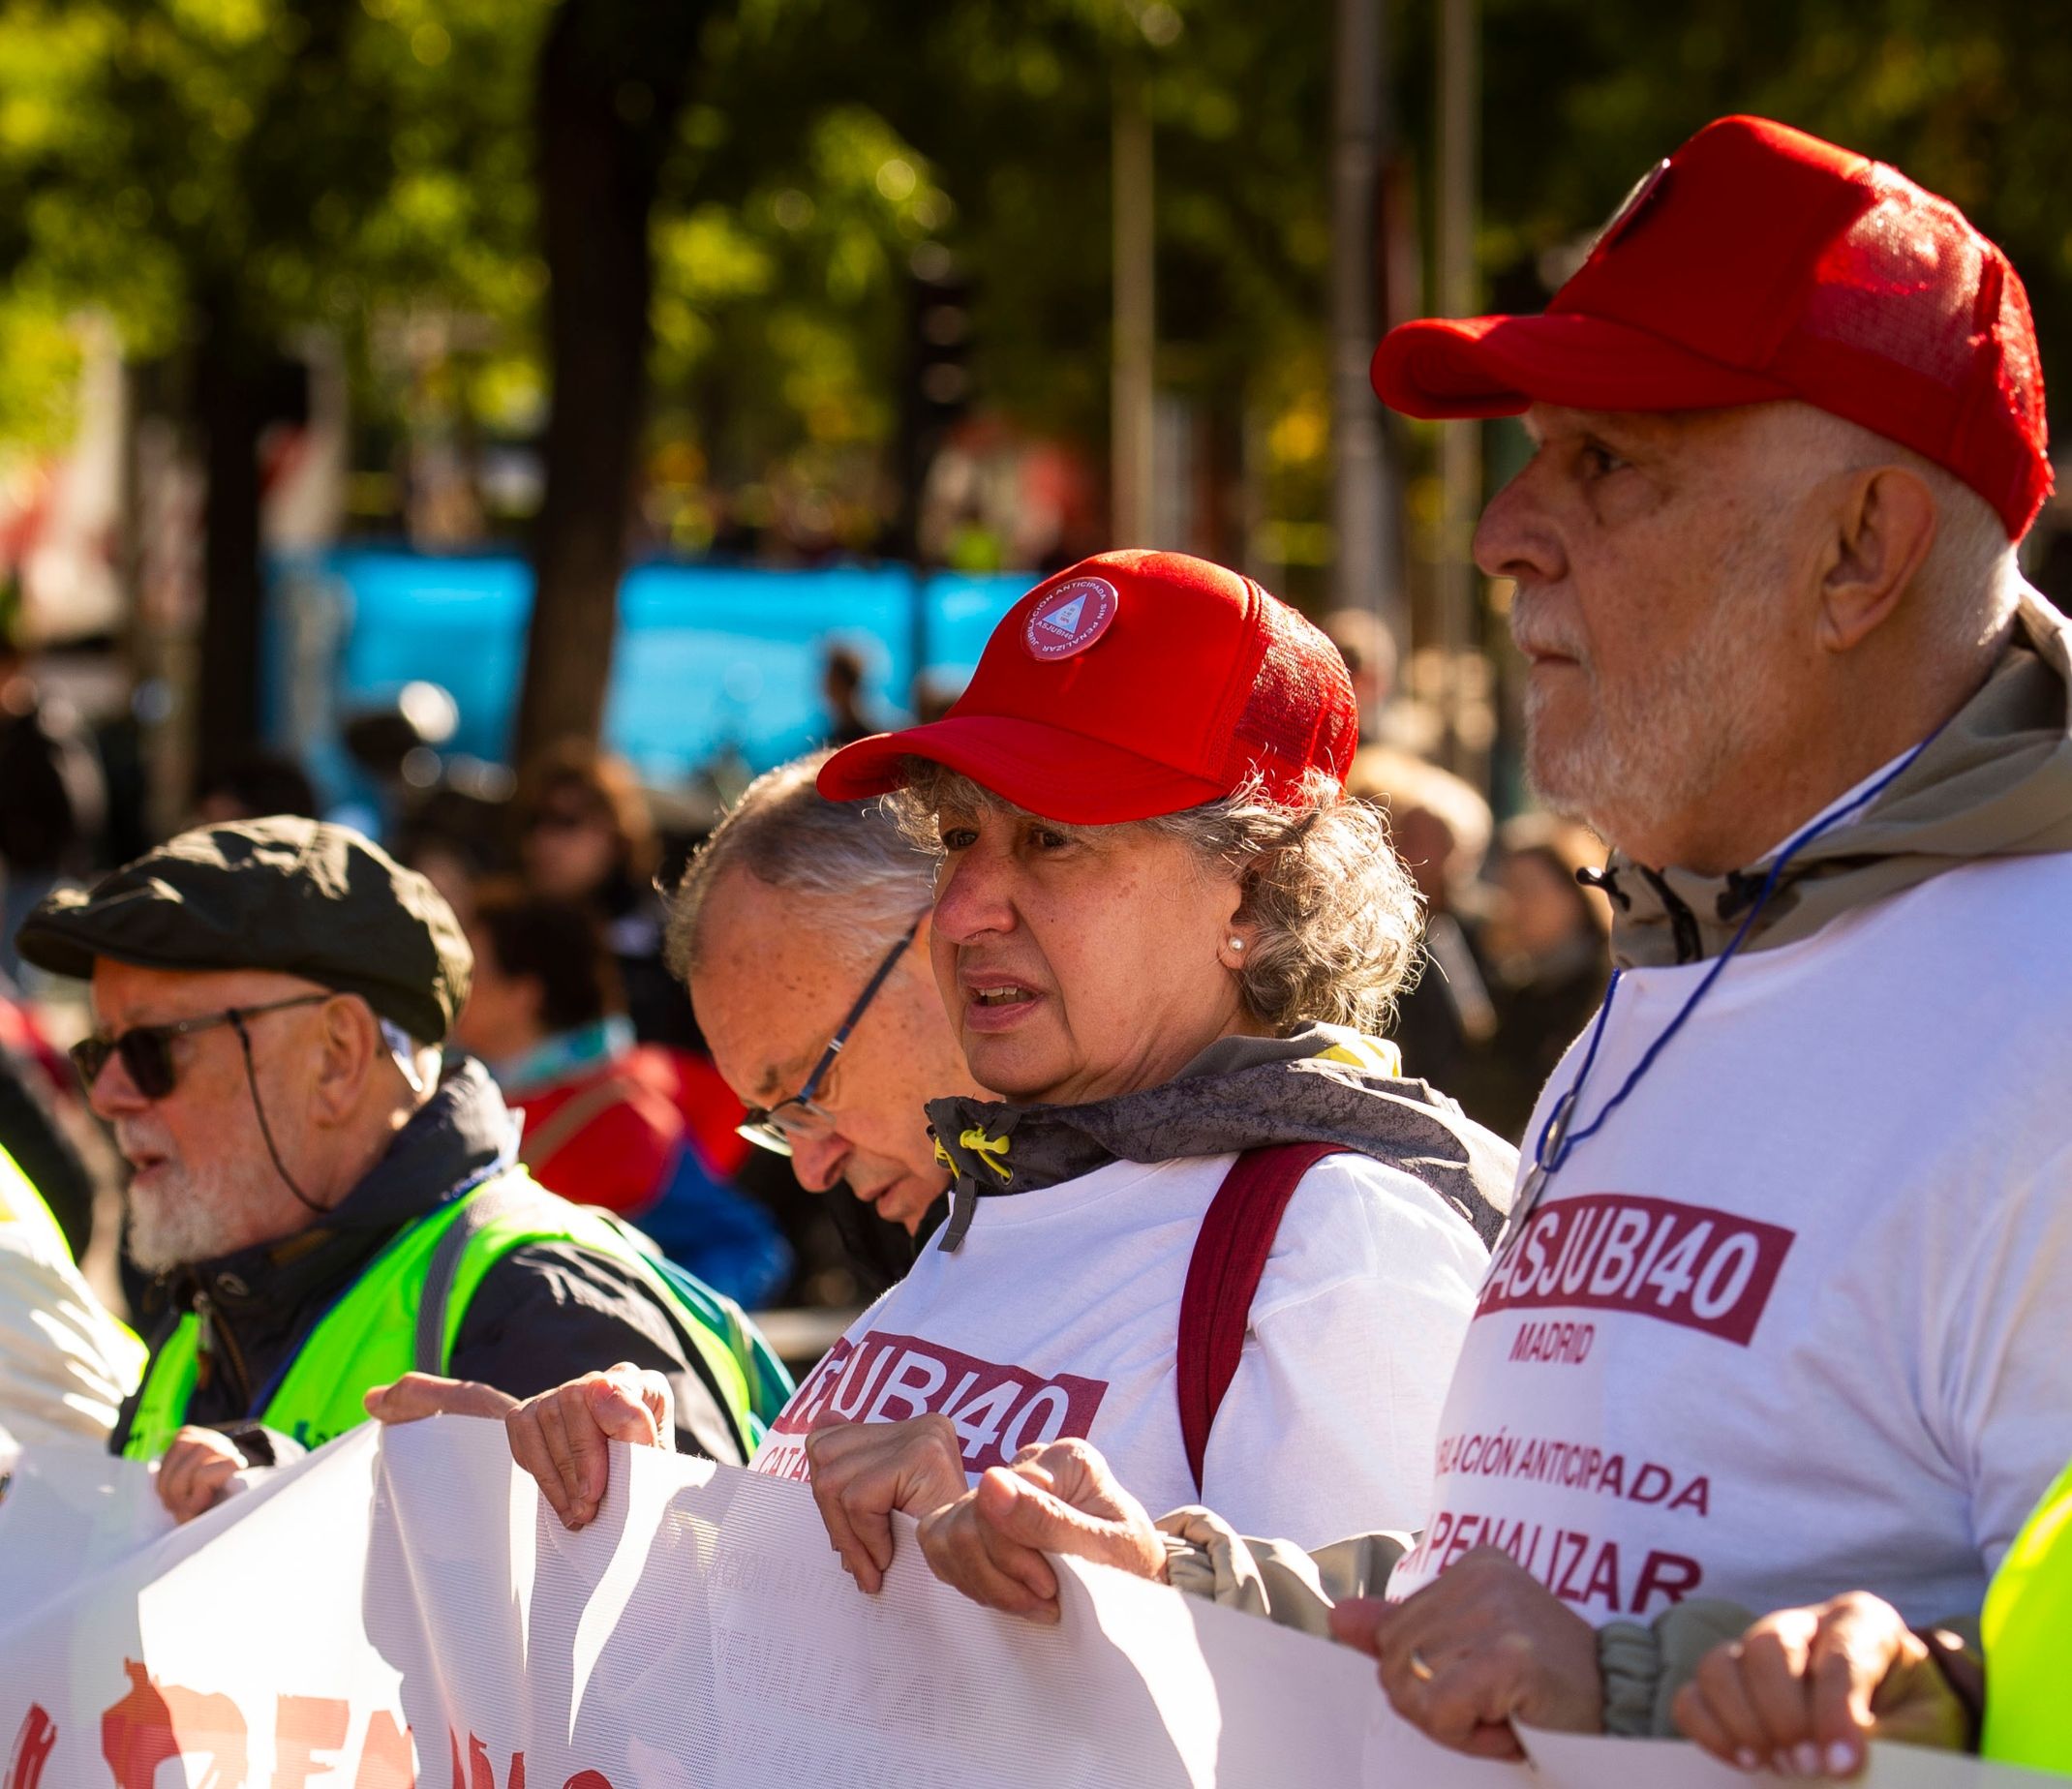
<point>1335,915</point>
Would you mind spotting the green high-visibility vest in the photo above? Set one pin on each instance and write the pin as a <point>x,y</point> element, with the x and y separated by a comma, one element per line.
<point>405,1311</point>
<point>2028,1631</point>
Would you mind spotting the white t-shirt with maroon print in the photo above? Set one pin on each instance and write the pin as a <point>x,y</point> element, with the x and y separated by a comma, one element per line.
<point>1798,1320</point>
<point>1060,1314</point>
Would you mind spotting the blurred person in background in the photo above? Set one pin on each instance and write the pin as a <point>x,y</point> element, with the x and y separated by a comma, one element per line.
<point>934,696</point>
<point>456,839</point>
<point>842,688</point>
<point>1369,651</point>
<point>585,835</point>
<point>641,1130</point>
<point>53,797</point>
<point>253,784</point>
<point>1544,940</point>
<point>1439,828</point>
<point>309,1176</point>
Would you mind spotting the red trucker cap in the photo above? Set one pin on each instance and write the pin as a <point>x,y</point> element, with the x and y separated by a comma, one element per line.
<point>1135,683</point>
<point>1759,262</point>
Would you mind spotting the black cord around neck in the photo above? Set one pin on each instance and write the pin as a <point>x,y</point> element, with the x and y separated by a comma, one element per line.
<point>244,1039</point>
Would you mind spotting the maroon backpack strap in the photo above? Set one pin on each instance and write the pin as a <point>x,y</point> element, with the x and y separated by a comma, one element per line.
<point>1230,1255</point>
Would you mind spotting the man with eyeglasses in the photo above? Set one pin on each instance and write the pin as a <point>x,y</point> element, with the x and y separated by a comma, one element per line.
<point>796,930</point>
<point>328,1204</point>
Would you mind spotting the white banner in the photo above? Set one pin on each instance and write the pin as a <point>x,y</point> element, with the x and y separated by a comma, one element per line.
<point>404,1609</point>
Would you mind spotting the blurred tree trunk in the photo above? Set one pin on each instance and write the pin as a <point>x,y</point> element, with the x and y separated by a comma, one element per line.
<point>229,406</point>
<point>612,77</point>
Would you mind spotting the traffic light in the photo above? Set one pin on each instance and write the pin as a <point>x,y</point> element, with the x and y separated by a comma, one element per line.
<point>940,337</point>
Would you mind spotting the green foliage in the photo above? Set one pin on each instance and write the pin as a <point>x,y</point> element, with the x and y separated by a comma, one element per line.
<point>1969,99</point>
<point>358,164</point>
<point>273,164</point>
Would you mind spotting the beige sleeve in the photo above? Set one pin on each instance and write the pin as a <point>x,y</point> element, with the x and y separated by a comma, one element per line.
<point>1643,1667</point>
<point>1206,1558</point>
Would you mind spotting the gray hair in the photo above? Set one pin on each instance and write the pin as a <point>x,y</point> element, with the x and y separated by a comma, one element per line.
<point>850,856</point>
<point>1335,914</point>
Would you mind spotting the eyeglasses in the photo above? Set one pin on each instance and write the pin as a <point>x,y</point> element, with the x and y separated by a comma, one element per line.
<point>775,1127</point>
<point>146,1051</point>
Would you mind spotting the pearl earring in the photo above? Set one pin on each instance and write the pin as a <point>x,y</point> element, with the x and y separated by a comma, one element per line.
<point>1236,944</point>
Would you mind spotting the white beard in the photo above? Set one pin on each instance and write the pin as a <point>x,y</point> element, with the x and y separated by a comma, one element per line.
<point>1659,745</point>
<point>174,1225</point>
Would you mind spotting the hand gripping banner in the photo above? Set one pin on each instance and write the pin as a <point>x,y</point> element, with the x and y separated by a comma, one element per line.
<point>402,1610</point>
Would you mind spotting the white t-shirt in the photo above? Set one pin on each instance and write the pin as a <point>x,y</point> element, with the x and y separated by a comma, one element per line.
<point>66,1365</point>
<point>1795,1321</point>
<point>1060,1314</point>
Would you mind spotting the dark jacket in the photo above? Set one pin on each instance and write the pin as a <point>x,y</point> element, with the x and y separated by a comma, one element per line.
<point>543,1315</point>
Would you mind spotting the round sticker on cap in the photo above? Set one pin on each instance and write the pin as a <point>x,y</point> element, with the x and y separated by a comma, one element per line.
<point>1070,618</point>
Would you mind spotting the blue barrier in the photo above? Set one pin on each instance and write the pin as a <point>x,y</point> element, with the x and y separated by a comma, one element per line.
<point>709,657</point>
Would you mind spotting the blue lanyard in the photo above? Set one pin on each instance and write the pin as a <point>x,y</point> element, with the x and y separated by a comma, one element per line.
<point>1556,1140</point>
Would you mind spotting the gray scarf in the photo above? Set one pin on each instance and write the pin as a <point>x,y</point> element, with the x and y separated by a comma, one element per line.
<point>1325,1084</point>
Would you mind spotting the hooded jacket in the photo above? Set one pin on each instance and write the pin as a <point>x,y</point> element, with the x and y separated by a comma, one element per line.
<point>543,1315</point>
<point>1994,781</point>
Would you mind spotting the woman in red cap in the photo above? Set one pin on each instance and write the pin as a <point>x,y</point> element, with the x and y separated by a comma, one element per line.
<point>1163,934</point>
<point>1205,1223</point>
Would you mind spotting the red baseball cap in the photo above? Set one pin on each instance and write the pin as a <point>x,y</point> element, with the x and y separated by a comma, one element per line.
<point>1759,262</point>
<point>1135,683</point>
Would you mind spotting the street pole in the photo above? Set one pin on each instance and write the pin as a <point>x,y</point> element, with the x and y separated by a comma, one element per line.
<point>1460,460</point>
<point>1366,571</point>
<point>1135,300</point>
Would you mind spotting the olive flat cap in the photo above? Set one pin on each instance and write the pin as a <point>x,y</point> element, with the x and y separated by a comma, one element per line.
<point>302,897</point>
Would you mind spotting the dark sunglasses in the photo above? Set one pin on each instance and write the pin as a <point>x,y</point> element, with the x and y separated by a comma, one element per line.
<point>775,1127</point>
<point>146,1051</point>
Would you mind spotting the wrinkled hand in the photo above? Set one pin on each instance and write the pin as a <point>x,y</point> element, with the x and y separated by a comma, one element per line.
<point>1804,1689</point>
<point>561,1436</point>
<point>418,1395</point>
<point>196,1472</point>
<point>862,1471</point>
<point>1056,1496</point>
<point>1483,1645</point>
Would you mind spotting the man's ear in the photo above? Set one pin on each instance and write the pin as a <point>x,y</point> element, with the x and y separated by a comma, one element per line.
<point>350,1046</point>
<point>1883,530</point>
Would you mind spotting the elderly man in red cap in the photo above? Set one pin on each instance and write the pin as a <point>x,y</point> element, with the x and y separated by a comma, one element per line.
<point>1778,1310</point>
